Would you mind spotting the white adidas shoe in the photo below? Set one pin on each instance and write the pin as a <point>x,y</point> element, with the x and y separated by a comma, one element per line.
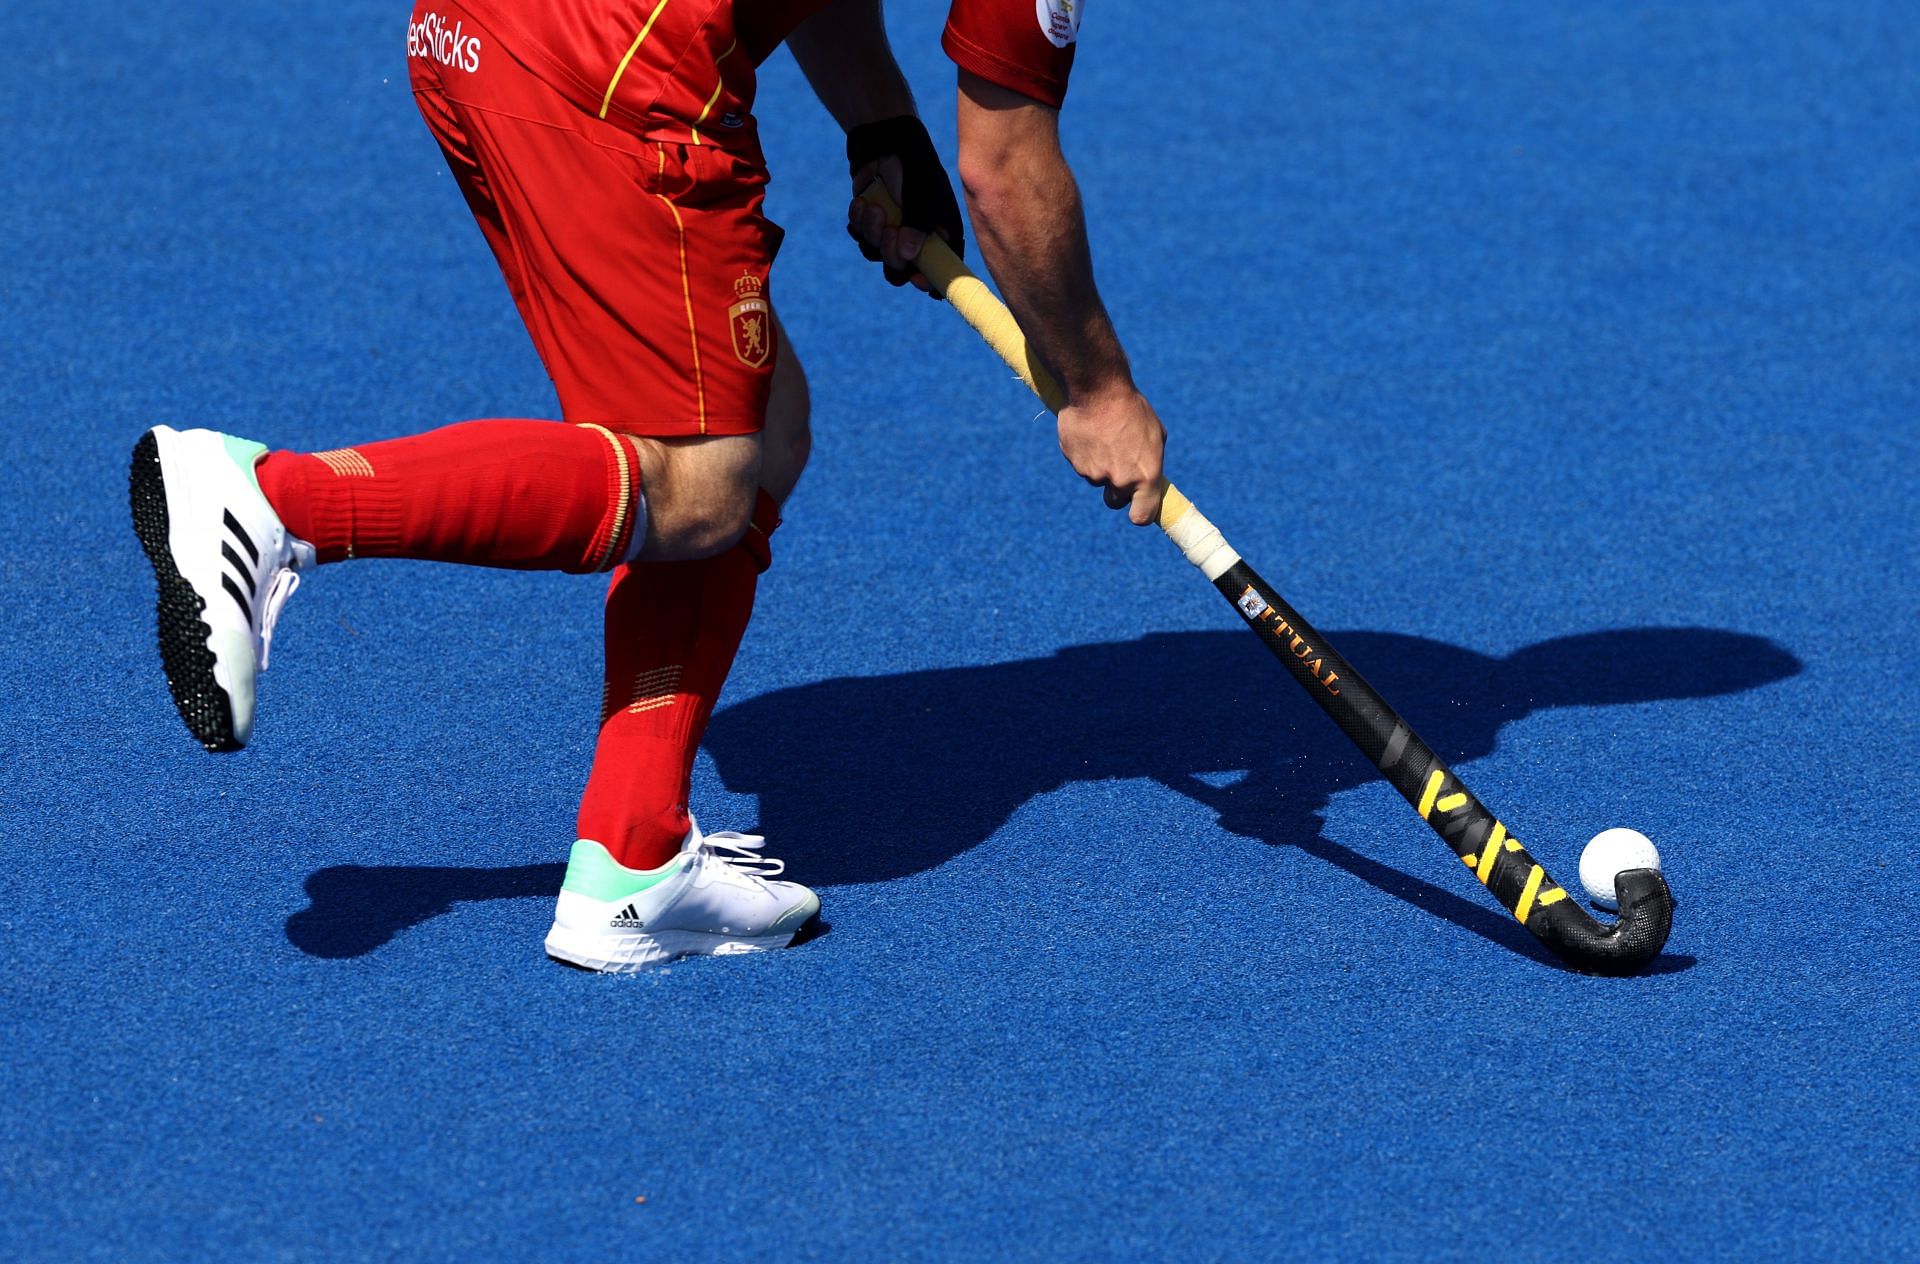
<point>716,896</point>
<point>225,566</point>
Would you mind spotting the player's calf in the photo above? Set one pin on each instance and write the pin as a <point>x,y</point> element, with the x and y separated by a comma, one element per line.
<point>506,492</point>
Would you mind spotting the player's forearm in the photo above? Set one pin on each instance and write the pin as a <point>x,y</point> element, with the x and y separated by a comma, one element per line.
<point>1027,218</point>
<point>1034,240</point>
<point>844,53</point>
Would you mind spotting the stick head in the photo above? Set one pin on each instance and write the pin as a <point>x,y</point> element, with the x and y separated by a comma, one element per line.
<point>1627,946</point>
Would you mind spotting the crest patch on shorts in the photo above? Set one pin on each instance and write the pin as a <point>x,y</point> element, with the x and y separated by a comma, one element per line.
<point>1059,20</point>
<point>751,319</point>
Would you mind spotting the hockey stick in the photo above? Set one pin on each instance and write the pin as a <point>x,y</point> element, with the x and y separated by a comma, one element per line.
<point>1502,865</point>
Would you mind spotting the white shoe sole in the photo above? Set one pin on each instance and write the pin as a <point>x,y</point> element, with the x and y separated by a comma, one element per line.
<point>622,954</point>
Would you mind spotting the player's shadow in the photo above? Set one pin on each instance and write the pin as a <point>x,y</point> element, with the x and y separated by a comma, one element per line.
<point>353,909</point>
<point>867,779</point>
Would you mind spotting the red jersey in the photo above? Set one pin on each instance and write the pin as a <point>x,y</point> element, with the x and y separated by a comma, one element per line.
<point>1025,46</point>
<point>670,70</point>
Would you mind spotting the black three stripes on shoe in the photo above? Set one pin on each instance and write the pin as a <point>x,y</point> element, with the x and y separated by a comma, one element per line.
<point>239,568</point>
<point>628,919</point>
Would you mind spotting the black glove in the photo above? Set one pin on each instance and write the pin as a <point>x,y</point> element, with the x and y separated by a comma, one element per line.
<point>926,195</point>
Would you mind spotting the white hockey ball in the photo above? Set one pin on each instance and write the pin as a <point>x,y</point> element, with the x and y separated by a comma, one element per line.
<point>1610,853</point>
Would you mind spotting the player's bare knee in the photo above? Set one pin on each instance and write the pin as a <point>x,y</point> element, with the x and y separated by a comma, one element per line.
<point>725,522</point>
<point>700,496</point>
<point>710,523</point>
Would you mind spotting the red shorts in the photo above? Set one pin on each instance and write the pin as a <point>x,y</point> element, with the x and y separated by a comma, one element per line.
<point>640,267</point>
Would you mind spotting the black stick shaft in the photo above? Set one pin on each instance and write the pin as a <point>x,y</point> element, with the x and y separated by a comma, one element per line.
<point>1477,837</point>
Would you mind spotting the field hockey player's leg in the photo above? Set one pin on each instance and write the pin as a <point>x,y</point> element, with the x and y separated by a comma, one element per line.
<point>643,884</point>
<point>229,527</point>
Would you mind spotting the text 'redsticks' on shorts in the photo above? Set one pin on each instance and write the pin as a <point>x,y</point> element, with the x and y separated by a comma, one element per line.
<point>640,266</point>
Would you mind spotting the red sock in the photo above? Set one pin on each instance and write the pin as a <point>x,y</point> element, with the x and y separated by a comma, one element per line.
<point>672,629</point>
<point>530,495</point>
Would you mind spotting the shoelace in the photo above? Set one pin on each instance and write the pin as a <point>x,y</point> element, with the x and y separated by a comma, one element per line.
<point>284,582</point>
<point>742,852</point>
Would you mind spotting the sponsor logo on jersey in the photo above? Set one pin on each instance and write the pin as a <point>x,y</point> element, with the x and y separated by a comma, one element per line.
<point>751,318</point>
<point>1059,20</point>
<point>433,40</point>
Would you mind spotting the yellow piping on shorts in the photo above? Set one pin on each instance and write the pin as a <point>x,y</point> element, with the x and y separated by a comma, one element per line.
<point>686,292</point>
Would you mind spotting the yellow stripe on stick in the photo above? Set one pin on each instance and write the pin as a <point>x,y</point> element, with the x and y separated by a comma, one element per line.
<point>1435,780</point>
<point>1451,802</point>
<point>1490,853</point>
<point>607,102</point>
<point>1525,906</point>
<point>1551,897</point>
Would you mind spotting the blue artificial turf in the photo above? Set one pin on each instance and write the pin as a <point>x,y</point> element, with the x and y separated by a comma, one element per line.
<point>1561,362</point>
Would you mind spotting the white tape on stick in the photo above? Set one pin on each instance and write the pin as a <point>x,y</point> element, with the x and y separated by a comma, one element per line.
<point>1198,538</point>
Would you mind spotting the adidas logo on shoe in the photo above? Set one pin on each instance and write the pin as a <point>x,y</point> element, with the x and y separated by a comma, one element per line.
<point>239,568</point>
<point>628,919</point>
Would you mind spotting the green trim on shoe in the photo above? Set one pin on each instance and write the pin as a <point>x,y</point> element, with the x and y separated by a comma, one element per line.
<point>244,453</point>
<point>593,872</point>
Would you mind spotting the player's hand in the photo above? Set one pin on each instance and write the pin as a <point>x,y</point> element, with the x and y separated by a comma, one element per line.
<point>898,153</point>
<point>1116,442</point>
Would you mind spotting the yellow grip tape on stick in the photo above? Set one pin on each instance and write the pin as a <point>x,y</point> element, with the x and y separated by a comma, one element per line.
<point>978,306</point>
